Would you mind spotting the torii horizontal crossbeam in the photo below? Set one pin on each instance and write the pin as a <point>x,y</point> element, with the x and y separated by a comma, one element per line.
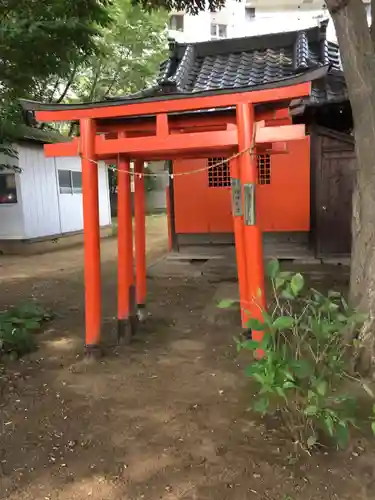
<point>153,146</point>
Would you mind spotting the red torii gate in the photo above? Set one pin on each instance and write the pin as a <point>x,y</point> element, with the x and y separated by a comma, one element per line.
<point>151,129</point>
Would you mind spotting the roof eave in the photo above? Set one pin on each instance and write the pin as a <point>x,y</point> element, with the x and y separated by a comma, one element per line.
<point>308,76</point>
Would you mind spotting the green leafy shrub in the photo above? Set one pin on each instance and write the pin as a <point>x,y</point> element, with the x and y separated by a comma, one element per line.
<point>300,376</point>
<point>17,326</point>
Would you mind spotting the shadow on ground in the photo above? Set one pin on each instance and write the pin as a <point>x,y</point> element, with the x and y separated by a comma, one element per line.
<point>165,418</point>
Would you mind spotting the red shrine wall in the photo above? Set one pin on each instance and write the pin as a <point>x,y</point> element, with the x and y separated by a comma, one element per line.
<point>202,200</point>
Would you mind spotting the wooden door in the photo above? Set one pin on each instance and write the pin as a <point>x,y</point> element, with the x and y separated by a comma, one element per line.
<point>190,196</point>
<point>218,196</point>
<point>335,180</point>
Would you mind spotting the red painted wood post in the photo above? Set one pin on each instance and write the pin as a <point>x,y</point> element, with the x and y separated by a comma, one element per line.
<point>140,238</point>
<point>237,210</point>
<point>91,230</point>
<point>125,250</point>
<point>252,232</point>
<point>169,221</point>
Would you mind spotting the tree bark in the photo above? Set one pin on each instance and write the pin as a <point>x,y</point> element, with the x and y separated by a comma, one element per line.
<point>358,60</point>
<point>68,84</point>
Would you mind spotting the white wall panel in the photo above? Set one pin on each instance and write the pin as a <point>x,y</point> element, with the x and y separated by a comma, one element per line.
<point>38,190</point>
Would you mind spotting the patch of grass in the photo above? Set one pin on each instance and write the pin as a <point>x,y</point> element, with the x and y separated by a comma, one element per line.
<point>17,328</point>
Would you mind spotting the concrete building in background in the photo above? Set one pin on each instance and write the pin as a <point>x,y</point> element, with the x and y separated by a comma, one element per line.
<point>250,18</point>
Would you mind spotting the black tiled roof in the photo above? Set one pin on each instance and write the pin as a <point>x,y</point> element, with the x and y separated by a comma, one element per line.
<point>241,65</point>
<point>250,61</point>
<point>167,91</point>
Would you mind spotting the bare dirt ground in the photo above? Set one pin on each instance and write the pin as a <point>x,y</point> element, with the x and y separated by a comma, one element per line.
<point>163,419</point>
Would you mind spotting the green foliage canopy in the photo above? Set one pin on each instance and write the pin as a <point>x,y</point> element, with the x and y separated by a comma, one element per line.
<point>130,51</point>
<point>190,6</point>
<point>56,51</point>
<point>42,37</point>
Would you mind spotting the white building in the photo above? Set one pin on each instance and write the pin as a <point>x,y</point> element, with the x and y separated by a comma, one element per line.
<point>250,18</point>
<point>44,200</point>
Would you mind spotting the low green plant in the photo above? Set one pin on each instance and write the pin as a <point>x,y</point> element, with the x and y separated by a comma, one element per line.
<point>301,374</point>
<point>17,326</point>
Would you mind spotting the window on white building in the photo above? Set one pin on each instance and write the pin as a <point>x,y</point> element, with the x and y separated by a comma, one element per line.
<point>176,22</point>
<point>77,182</point>
<point>249,13</point>
<point>70,181</point>
<point>8,191</point>
<point>218,31</point>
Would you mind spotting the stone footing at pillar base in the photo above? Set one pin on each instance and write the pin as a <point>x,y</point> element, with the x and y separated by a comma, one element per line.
<point>93,351</point>
<point>247,334</point>
<point>125,331</point>
<point>142,314</point>
<point>134,323</point>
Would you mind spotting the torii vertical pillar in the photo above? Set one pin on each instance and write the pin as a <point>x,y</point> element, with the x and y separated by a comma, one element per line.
<point>255,295</point>
<point>140,238</point>
<point>91,236</point>
<point>169,216</point>
<point>237,210</point>
<point>125,280</point>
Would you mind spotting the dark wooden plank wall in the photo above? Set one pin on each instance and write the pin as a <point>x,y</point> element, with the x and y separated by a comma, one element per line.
<point>333,164</point>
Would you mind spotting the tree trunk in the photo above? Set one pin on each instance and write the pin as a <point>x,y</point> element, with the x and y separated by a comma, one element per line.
<point>358,59</point>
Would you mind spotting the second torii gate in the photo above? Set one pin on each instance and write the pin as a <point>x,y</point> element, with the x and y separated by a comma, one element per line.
<point>168,127</point>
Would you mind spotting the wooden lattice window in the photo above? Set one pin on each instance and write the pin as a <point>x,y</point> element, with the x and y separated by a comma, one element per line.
<point>264,169</point>
<point>218,172</point>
